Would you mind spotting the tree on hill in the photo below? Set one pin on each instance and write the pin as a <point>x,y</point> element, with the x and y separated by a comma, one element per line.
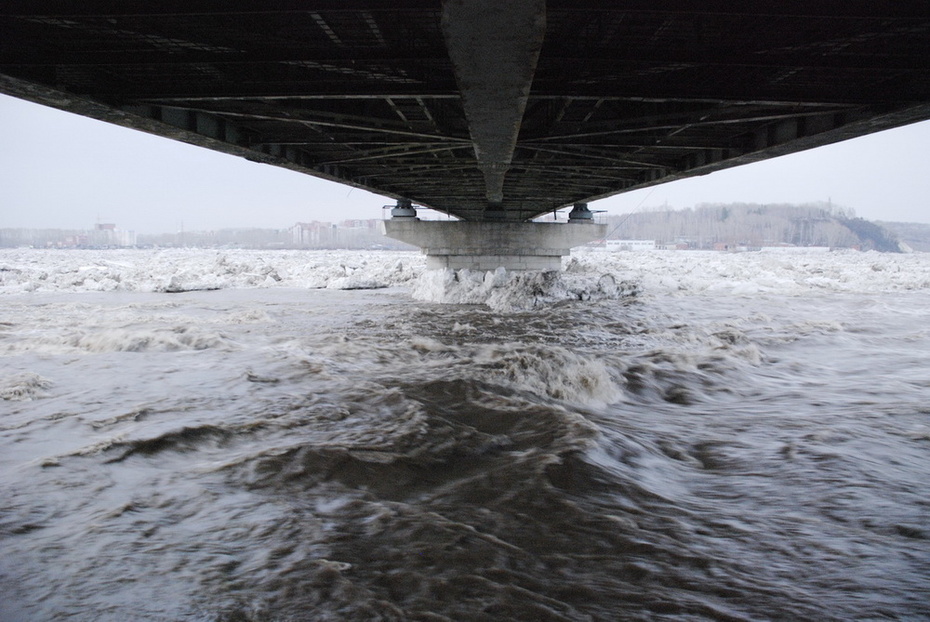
<point>873,236</point>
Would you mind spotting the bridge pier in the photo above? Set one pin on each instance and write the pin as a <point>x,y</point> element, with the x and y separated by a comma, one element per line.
<point>488,245</point>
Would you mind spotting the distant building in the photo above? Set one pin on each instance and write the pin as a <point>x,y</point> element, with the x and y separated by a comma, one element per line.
<point>106,234</point>
<point>791,248</point>
<point>630,245</point>
<point>369,223</point>
<point>311,233</point>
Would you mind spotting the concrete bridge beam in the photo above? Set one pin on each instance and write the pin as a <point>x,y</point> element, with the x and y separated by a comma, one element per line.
<point>488,245</point>
<point>494,46</point>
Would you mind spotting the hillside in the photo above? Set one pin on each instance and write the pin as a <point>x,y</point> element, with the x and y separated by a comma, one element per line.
<point>914,234</point>
<point>752,225</point>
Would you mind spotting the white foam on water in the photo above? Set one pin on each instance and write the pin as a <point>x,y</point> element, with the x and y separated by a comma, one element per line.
<point>516,291</point>
<point>549,370</point>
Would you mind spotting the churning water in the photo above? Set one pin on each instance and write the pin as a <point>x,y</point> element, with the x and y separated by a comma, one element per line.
<point>681,436</point>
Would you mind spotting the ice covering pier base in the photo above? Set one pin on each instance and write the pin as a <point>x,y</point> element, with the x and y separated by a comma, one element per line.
<point>479,245</point>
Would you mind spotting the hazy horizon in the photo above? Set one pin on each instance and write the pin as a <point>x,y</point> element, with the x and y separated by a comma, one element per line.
<point>62,171</point>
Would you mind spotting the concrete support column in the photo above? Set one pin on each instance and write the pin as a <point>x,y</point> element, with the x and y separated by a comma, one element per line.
<point>490,245</point>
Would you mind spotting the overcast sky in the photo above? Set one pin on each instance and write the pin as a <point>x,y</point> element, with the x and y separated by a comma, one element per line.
<point>59,170</point>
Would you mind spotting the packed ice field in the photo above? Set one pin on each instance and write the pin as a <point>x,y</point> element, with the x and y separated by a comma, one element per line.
<point>587,274</point>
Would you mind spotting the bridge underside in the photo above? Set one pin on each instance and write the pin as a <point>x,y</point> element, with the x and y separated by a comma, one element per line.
<point>480,109</point>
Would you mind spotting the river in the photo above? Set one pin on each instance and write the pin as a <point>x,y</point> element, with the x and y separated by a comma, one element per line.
<point>690,437</point>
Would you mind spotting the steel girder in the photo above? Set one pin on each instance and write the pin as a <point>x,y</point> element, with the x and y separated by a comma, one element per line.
<point>615,96</point>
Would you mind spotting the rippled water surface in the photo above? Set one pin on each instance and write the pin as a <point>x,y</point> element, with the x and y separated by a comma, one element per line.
<point>294,454</point>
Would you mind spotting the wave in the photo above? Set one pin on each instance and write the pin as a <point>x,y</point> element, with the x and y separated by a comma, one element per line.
<point>185,439</point>
<point>172,339</point>
<point>23,387</point>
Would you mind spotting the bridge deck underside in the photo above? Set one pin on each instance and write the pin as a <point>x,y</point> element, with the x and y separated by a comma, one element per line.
<point>365,93</point>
